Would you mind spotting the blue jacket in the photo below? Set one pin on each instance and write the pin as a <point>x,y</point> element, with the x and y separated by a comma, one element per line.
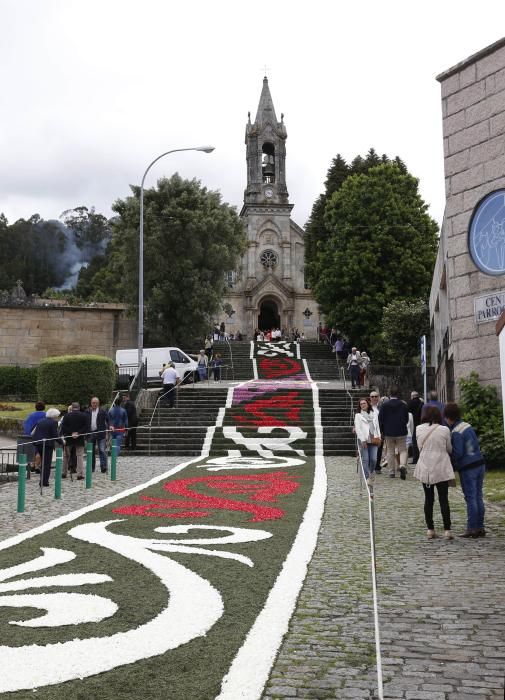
<point>32,420</point>
<point>466,452</point>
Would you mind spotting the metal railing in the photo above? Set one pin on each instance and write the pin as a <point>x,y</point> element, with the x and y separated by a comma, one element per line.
<point>371,518</point>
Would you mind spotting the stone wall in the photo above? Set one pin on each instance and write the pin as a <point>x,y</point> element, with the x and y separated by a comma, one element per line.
<point>473,110</point>
<point>30,333</point>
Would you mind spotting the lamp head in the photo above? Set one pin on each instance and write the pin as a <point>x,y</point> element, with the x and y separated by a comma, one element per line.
<point>205,149</point>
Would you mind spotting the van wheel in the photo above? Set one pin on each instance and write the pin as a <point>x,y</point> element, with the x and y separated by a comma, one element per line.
<point>188,378</point>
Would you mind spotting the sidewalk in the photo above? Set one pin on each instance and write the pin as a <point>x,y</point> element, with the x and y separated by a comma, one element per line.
<point>441,614</point>
<point>41,509</point>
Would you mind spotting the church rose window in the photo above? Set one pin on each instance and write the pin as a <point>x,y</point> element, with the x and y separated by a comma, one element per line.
<point>269,258</point>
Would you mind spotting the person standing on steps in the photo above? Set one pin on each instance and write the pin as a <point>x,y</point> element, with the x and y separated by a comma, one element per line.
<point>393,419</point>
<point>470,463</point>
<point>353,365</point>
<point>170,381</point>
<point>434,468</point>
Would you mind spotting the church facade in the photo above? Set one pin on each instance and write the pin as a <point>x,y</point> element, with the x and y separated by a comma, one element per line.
<point>268,290</point>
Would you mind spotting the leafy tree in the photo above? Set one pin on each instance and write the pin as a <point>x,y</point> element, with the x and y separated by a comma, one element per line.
<point>403,323</point>
<point>316,231</point>
<point>191,239</point>
<point>91,230</point>
<point>381,247</point>
<point>482,408</point>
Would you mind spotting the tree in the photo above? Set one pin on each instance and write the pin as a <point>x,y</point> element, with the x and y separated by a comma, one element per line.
<point>482,408</point>
<point>316,230</point>
<point>381,247</point>
<point>191,239</point>
<point>403,323</point>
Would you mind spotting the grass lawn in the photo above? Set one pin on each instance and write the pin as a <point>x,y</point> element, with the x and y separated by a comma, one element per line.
<point>494,486</point>
<point>23,409</point>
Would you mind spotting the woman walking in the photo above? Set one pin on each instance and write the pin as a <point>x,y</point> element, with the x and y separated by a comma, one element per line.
<point>434,468</point>
<point>366,426</point>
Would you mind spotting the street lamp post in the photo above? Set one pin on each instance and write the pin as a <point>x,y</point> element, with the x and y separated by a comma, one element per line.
<point>205,149</point>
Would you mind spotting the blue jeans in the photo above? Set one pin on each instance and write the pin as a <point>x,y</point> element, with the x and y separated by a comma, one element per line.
<point>100,441</point>
<point>118,437</point>
<point>471,483</point>
<point>368,457</point>
<point>202,372</point>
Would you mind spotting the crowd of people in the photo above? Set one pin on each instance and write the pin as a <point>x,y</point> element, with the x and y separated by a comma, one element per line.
<point>77,428</point>
<point>442,444</point>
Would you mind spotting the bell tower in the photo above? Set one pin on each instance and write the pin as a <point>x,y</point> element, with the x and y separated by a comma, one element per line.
<point>266,154</point>
<point>268,288</point>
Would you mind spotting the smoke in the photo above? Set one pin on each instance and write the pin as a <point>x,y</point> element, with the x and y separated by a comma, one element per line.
<point>71,254</point>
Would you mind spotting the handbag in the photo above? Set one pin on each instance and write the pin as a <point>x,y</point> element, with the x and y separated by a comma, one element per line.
<point>376,440</point>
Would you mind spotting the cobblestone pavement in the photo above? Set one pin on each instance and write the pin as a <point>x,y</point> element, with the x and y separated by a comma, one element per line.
<point>441,614</point>
<point>41,509</point>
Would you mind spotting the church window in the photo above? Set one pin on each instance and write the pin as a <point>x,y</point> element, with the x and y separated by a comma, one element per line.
<point>269,258</point>
<point>268,162</point>
<point>230,278</point>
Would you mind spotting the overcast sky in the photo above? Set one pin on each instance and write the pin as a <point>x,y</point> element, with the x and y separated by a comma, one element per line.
<point>93,90</point>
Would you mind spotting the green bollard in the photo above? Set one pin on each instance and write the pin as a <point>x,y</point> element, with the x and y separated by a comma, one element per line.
<point>57,472</point>
<point>89,453</point>
<point>113,460</point>
<point>21,483</point>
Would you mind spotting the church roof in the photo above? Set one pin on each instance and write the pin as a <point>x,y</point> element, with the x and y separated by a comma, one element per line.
<point>266,111</point>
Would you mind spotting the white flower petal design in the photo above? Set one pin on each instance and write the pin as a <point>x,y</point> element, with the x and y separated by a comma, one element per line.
<point>62,608</point>
<point>50,557</point>
<point>193,607</point>
<point>50,581</point>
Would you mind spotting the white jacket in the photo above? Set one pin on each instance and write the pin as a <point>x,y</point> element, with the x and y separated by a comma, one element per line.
<point>361,426</point>
<point>434,464</point>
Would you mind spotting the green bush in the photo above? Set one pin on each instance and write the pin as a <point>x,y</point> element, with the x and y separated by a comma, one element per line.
<point>18,381</point>
<point>68,378</point>
<point>482,408</point>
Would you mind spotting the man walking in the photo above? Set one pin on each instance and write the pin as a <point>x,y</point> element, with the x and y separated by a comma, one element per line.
<point>74,426</point>
<point>45,436</point>
<point>170,380</point>
<point>353,365</point>
<point>98,423</point>
<point>393,419</point>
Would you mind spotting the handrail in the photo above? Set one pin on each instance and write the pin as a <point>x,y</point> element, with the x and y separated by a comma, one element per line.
<point>231,359</point>
<point>371,518</point>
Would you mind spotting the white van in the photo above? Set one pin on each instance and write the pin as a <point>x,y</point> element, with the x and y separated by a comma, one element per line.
<point>127,361</point>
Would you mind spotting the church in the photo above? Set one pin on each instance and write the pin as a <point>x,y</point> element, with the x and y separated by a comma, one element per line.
<point>268,290</point>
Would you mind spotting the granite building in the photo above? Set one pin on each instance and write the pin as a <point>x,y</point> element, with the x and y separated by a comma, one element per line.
<point>268,289</point>
<point>468,288</point>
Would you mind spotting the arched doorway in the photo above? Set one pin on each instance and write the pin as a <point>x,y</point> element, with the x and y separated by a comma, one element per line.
<point>269,316</point>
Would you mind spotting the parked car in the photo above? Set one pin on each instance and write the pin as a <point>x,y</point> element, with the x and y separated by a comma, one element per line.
<point>127,362</point>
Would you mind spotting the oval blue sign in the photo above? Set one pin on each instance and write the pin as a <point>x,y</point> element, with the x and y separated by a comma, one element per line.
<point>486,238</point>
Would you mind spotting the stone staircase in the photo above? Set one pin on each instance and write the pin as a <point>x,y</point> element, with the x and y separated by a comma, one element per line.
<point>181,431</point>
<point>321,361</point>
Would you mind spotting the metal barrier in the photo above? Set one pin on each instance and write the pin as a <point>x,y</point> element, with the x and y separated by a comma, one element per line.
<point>371,518</point>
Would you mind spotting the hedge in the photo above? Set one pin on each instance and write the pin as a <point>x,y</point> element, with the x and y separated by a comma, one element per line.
<point>18,381</point>
<point>68,378</point>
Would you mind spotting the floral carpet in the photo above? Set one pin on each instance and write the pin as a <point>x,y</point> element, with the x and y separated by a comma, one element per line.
<point>183,587</point>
